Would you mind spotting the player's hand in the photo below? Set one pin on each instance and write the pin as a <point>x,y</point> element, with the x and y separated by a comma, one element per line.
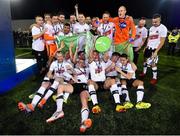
<point>117,69</point>
<point>44,30</point>
<point>131,40</point>
<point>62,45</point>
<point>55,37</point>
<point>68,67</point>
<point>144,49</point>
<point>154,55</point>
<point>74,79</point>
<point>77,49</point>
<point>113,64</point>
<point>76,6</point>
<point>71,45</point>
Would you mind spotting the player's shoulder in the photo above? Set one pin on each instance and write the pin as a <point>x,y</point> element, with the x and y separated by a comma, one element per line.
<point>108,61</point>
<point>54,62</point>
<point>115,18</point>
<point>70,34</point>
<point>163,27</point>
<point>130,18</point>
<point>129,65</point>
<point>47,25</point>
<point>76,24</point>
<point>60,34</point>
<point>34,27</point>
<point>92,63</point>
<point>144,29</point>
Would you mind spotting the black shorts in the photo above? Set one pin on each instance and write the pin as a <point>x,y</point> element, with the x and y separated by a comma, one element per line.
<point>100,86</point>
<point>148,52</point>
<point>79,87</point>
<point>112,77</point>
<point>41,58</point>
<point>129,82</point>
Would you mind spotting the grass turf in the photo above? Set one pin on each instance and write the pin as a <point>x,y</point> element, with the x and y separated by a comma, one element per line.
<point>162,118</point>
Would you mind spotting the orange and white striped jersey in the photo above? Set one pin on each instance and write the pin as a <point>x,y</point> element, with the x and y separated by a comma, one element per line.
<point>49,34</point>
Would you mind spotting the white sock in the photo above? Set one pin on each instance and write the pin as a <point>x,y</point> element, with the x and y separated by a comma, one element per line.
<point>59,102</point>
<point>125,91</point>
<point>119,88</point>
<point>140,93</point>
<point>66,96</point>
<point>144,67</point>
<point>84,114</point>
<point>92,93</point>
<point>38,96</point>
<point>115,93</point>
<point>51,90</point>
<point>154,70</point>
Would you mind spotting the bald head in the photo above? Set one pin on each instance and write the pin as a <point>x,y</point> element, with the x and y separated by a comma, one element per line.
<point>122,11</point>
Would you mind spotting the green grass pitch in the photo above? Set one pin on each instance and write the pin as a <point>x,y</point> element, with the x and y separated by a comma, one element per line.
<point>162,118</point>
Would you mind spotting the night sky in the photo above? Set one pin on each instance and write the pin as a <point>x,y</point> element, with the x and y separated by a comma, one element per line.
<point>169,9</point>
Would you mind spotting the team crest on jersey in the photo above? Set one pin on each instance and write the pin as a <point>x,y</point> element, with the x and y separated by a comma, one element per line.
<point>98,70</point>
<point>61,70</point>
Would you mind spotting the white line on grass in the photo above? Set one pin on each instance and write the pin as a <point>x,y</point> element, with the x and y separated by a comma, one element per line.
<point>23,54</point>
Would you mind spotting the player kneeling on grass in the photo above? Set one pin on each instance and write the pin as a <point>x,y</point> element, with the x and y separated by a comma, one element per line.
<point>128,78</point>
<point>98,81</point>
<point>80,86</point>
<point>38,95</point>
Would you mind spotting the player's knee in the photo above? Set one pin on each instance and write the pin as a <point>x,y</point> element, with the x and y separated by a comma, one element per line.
<point>70,89</point>
<point>45,84</point>
<point>90,82</point>
<point>140,82</point>
<point>60,89</point>
<point>83,95</point>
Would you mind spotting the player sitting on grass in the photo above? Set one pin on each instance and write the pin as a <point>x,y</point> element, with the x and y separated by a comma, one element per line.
<point>80,86</point>
<point>61,70</point>
<point>128,78</point>
<point>99,82</point>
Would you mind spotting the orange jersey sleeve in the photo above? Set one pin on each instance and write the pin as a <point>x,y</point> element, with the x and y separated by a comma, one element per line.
<point>47,37</point>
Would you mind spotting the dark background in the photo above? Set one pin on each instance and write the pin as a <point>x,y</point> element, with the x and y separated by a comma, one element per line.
<point>169,9</point>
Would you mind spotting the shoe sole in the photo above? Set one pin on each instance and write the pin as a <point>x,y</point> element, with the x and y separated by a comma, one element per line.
<point>21,106</point>
<point>50,121</point>
<point>88,123</point>
<point>139,108</point>
<point>121,111</point>
<point>128,107</point>
<point>96,111</point>
<point>82,130</point>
